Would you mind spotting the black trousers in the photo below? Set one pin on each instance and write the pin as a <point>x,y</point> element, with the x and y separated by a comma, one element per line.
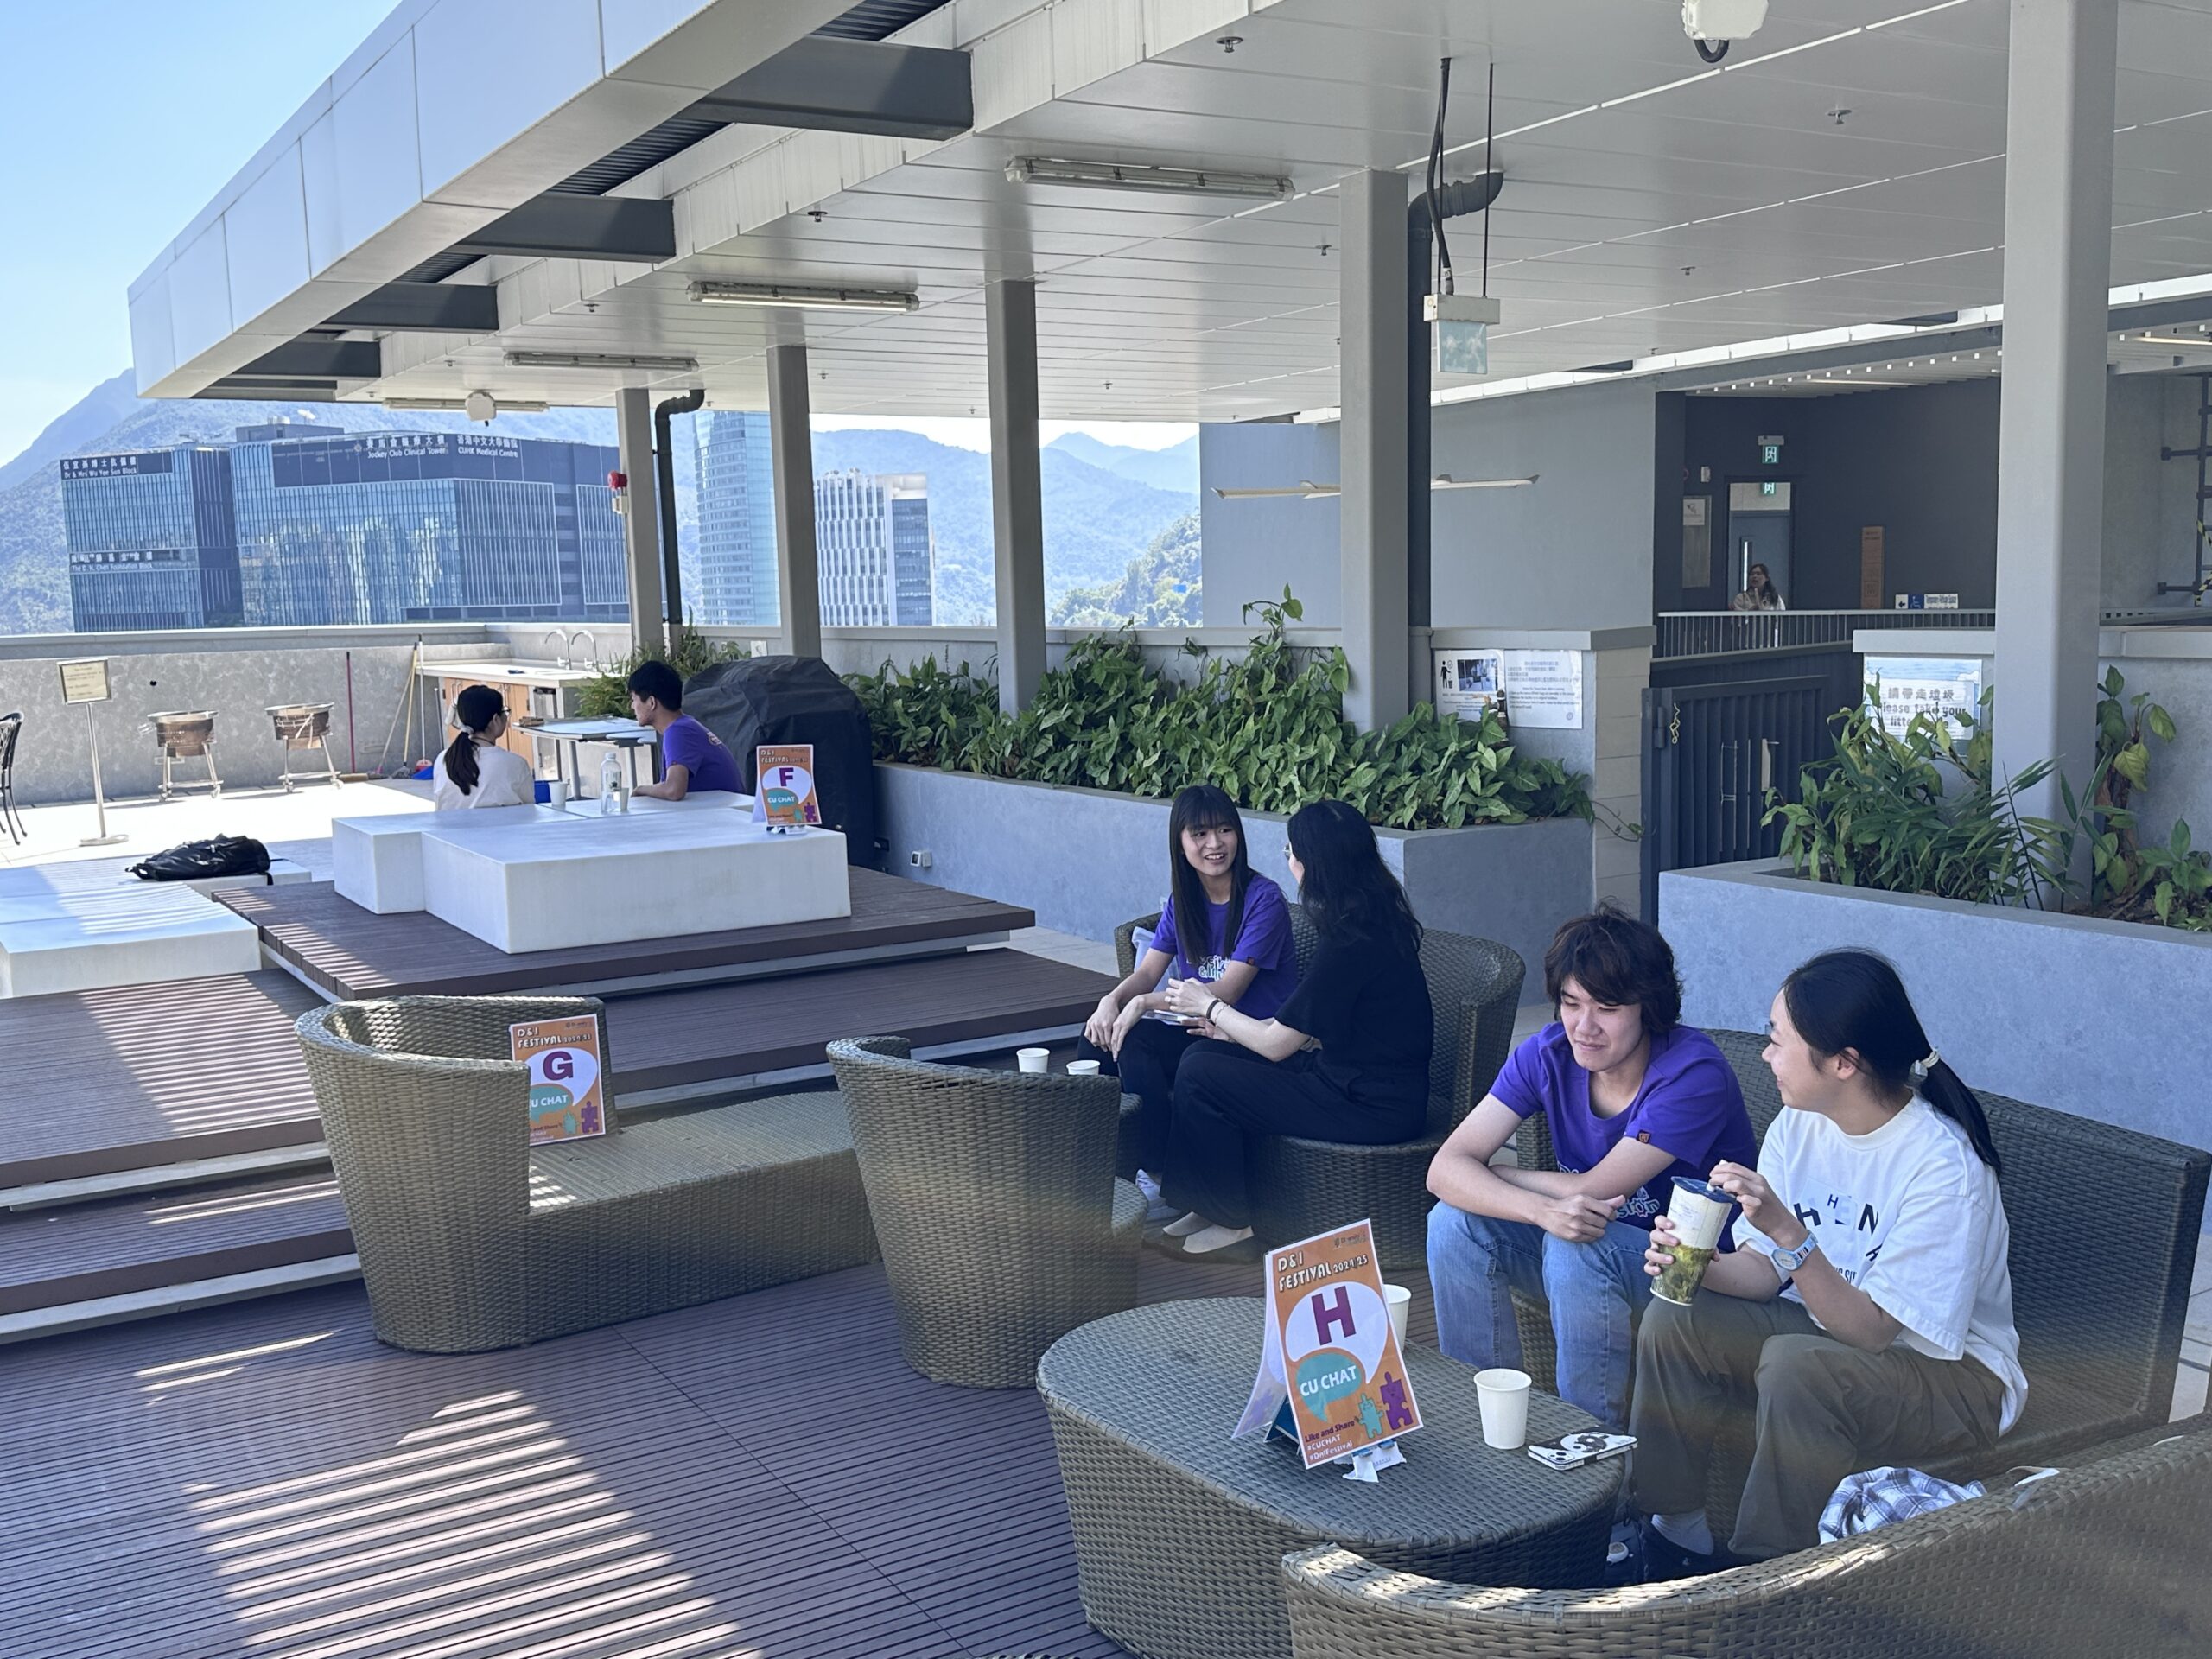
<point>1152,1055</point>
<point>1225,1096</point>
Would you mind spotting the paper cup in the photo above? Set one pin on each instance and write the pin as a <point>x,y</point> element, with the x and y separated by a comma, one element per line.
<point>1504,1396</point>
<point>1698,1212</point>
<point>1399,1301</point>
<point>1082,1068</point>
<point>1034,1059</point>
<point>556,794</point>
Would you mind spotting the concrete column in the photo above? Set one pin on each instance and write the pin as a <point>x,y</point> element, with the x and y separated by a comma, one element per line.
<point>1375,529</point>
<point>2051,449</point>
<point>633,429</point>
<point>1017,489</point>
<point>790,462</point>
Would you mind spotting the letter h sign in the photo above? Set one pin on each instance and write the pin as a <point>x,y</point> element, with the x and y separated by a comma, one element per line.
<point>1329,1312</point>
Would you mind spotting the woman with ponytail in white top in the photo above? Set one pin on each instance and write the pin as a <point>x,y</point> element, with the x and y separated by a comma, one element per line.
<point>1866,1317</point>
<point>475,770</point>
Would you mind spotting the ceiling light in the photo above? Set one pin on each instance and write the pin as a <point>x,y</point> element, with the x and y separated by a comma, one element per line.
<point>819,299</point>
<point>602,361</point>
<point>2174,339</point>
<point>1118,176</point>
<point>1307,489</point>
<point>507,406</point>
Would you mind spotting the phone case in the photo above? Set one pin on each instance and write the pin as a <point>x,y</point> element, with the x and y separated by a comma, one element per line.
<point>1573,1451</point>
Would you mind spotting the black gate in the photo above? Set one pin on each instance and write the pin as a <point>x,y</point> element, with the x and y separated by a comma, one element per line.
<point>1711,753</point>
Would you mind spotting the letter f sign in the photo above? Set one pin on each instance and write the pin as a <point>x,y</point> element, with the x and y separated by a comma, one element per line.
<point>1327,1312</point>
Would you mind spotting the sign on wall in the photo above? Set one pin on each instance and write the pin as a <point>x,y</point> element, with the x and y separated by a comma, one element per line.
<point>1544,688</point>
<point>85,681</point>
<point>1871,540</point>
<point>1946,687</point>
<point>1469,684</point>
<point>1697,540</point>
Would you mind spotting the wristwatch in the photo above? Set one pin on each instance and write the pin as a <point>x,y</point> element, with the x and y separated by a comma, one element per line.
<point>1786,1262</point>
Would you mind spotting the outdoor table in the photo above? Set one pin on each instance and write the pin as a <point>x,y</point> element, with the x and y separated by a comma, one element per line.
<point>1180,1531</point>
<point>625,735</point>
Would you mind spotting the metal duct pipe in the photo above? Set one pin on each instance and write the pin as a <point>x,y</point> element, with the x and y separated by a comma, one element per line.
<point>671,584</point>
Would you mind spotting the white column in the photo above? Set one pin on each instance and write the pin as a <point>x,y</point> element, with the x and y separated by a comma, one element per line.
<point>1017,489</point>
<point>633,429</point>
<point>790,461</point>
<point>1376,533</point>
<point>2050,448</point>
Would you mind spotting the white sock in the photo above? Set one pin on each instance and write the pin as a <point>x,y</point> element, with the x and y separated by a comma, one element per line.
<point>1686,1530</point>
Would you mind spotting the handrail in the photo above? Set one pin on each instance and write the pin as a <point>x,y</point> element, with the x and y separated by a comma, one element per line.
<point>1716,634</point>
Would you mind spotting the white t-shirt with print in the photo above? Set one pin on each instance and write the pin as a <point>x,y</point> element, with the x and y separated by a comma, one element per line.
<point>1910,1215</point>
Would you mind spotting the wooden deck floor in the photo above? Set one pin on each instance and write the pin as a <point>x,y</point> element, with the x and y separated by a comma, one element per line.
<point>760,1476</point>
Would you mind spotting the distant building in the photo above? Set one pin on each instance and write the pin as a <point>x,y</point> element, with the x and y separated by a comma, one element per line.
<point>737,522</point>
<point>152,538</point>
<point>872,539</point>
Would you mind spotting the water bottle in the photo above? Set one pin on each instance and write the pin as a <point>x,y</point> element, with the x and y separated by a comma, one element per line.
<point>613,785</point>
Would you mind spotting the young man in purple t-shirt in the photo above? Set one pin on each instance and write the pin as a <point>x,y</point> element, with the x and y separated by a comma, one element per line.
<point>693,760</point>
<point>1633,1100</point>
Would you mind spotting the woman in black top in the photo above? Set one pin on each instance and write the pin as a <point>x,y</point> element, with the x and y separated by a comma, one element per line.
<point>1346,1057</point>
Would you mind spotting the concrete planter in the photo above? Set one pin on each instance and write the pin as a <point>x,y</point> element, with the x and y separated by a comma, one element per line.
<point>2104,1019</point>
<point>1086,859</point>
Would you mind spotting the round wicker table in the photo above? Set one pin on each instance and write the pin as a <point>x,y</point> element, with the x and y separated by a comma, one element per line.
<point>1180,1532</point>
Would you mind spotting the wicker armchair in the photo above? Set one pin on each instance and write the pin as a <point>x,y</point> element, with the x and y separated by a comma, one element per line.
<point>2099,1312</point>
<point>2102,1557</point>
<point>1003,1226</point>
<point>470,1239</point>
<point>1303,1187</point>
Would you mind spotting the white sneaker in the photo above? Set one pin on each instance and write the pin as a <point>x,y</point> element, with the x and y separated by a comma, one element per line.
<point>1190,1223</point>
<point>1214,1237</point>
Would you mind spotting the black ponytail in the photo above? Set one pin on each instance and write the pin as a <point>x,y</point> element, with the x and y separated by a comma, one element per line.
<point>1853,999</point>
<point>474,710</point>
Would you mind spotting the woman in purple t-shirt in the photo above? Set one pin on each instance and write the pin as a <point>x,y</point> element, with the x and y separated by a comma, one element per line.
<point>1633,1100</point>
<point>1220,923</point>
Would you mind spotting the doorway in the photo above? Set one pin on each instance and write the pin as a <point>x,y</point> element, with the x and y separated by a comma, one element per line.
<point>1759,532</point>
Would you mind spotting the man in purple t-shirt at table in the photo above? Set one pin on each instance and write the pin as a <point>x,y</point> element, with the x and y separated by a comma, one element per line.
<point>1635,1101</point>
<point>693,760</point>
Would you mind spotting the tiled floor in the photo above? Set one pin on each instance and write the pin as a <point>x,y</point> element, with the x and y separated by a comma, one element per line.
<point>296,826</point>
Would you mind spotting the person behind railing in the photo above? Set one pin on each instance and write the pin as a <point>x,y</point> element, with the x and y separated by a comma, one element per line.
<point>1866,1314</point>
<point>1760,592</point>
<point>693,760</point>
<point>1345,1059</point>
<point>1634,1101</point>
<point>1222,925</point>
<point>475,770</point>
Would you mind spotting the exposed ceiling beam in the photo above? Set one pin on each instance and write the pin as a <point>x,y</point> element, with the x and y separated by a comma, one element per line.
<point>424,307</point>
<point>837,85</point>
<point>305,392</point>
<point>554,227</point>
<point>311,359</point>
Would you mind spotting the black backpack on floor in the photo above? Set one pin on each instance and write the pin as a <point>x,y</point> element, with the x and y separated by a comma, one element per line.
<point>195,859</point>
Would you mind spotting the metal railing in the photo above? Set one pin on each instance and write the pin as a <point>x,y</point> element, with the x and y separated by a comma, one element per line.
<point>1718,634</point>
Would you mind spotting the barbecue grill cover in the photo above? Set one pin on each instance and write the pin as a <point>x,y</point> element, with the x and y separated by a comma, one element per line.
<point>796,700</point>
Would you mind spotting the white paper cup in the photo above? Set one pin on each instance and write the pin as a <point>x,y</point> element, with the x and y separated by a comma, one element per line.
<point>1399,1301</point>
<point>1082,1068</point>
<point>1504,1396</point>
<point>556,794</point>
<point>1034,1059</point>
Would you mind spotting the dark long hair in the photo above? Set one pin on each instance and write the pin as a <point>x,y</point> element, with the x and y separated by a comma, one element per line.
<point>1853,999</point>
<point>1199,808</point>
<point>1347,888</point>
<point>475,708</point>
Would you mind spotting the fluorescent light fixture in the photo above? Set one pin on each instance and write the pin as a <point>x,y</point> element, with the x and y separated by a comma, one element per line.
<point>507,406</point>
<point>602,361</point>
<point>1310,491</point>
<point>1129,175</point>
<point>820,299</point>
<point>2197,345</point>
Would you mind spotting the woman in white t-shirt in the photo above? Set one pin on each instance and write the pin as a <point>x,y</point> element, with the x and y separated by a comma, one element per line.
<point>475,770</point>
<point>1865,1316</point>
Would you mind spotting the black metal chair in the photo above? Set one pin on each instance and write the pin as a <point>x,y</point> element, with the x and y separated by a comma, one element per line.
<point>11,727</point>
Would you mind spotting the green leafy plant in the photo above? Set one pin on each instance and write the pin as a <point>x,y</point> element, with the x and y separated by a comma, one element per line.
<point>1267,726</point>
<point>2168,882</point>
<point>606,696</point>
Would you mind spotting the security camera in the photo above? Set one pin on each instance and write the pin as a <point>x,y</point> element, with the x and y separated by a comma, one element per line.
<point>480,406</point>
<point>1722,21</point>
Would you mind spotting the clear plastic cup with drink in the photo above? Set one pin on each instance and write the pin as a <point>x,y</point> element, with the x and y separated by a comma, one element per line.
<point>1697,1212</point>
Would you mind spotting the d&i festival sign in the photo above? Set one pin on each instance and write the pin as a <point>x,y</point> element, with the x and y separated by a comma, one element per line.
<point>567,1078</point>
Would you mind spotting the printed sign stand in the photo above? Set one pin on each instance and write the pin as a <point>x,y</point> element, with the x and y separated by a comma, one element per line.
<point>782,788</point>
<point>87,682</point>
<point>568,1099</point>
<point>1331,1377</point>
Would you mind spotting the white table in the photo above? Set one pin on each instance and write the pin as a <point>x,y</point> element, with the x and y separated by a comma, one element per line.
<point>377,862</point>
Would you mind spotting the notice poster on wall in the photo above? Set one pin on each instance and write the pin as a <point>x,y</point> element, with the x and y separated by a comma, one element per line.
<point>783,790</point>
<point>85,681</point>
<point>1329,1350</point>
<point>1544,688</point>
<point>1900,688</point>
<point>1469,684</point>
<point>567,1100</point>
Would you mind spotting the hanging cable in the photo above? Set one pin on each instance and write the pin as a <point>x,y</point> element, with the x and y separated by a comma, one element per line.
<point>1709,51</point>
<point>1441,271</point>
<point>1490,165</point>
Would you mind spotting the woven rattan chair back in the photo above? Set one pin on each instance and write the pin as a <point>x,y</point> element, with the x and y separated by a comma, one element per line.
<point>11,731</point>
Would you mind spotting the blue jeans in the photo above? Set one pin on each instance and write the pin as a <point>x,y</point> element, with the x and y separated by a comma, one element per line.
<point>1595,1291</point>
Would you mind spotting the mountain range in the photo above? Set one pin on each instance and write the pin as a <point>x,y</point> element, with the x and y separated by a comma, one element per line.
<point>1104,503</point>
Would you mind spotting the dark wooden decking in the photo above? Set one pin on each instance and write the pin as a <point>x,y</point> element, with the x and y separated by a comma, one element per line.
<point>760,1476</point>
<point>352,952</point>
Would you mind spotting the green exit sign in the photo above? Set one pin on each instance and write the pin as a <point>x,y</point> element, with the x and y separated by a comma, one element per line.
<point>1767,488</point>
<point>1771,456</point>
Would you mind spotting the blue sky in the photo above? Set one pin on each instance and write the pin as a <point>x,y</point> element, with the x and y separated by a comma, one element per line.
<point>127,116</point>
